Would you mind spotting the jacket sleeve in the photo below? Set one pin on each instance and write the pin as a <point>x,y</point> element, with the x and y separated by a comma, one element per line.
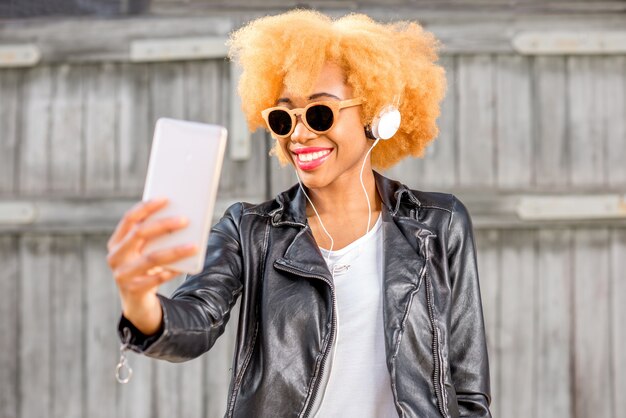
<point>468,359</point>
<point>197,312</point>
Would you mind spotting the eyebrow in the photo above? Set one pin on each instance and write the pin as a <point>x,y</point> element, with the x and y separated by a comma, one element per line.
<point>311,97</point>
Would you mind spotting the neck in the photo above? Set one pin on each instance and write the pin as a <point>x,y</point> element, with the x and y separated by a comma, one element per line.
<point>345,195</point>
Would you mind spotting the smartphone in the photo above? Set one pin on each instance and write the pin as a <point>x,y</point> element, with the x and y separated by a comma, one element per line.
<point>185,165</point>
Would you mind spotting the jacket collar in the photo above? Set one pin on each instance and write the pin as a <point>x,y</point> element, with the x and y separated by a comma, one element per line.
<point>398,199</point>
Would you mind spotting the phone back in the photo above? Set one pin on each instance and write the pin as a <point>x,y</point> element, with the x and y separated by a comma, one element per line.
<point>185,164</point>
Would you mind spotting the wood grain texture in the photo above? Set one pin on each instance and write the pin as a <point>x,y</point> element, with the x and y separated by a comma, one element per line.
<point>592,361</point>
<point>10,91</point>
<point>614,97</point>
<point>66,131</point>
<point>441,160</point>
<point>101,117</point>
<point>513,121</point>
<point>517,325</point>
<point>36,335</point>
<point>134,128</point>
<point>101,342</point>
<point>66,348</point>
<point>476,113</point>
<point>587,121</point>
<point>618,313</point>
<point>10,349</point>
<point>554,319</point>
<point>34,131</point>
<point>488,252</point>
<point>552,148</point>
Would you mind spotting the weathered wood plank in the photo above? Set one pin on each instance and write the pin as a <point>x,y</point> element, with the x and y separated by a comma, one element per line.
<point>488,252</point>
<point>614,95</point>
<point>135,128</point>
<point>476,115</point>
<point>551,158</point>
<point>591,324</point>
<point>9,320</point>
<point>101,107</point>
<point>102,344</point>
<point>66,299</point>
<point>513,121</point>
<point>517,326</point>
<point>242,178</point>
<point>441,160</point>
<point>554,308</point>
<point>618,313</point>
<point>35,336</point>
<point>66,139</point>
<point>34,128</point>
<point>10,81</point>
<point>587,121</point>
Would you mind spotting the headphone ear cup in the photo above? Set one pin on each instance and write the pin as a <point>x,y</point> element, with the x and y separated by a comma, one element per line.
<point>386,123</point>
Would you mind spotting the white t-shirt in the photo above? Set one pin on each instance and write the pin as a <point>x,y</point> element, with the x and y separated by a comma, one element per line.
<point>359,383</point>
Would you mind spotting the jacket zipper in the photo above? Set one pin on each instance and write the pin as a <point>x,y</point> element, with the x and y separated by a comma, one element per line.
<point>331,338</point>
<point>439,387</point>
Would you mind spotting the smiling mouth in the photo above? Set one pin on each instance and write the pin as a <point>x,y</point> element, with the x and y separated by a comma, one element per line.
<point>312,156</point>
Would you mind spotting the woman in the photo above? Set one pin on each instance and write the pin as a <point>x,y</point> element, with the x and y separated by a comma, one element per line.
<point>359,296</point>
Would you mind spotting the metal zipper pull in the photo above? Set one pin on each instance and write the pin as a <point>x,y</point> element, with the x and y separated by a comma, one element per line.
<point>123,371</point>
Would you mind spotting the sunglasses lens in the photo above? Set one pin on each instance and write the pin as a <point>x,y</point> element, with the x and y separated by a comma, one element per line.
<point>279,122</point>
<point>320,117</point>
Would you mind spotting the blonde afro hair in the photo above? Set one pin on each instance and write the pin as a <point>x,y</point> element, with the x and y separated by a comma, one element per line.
<point>381,61</point>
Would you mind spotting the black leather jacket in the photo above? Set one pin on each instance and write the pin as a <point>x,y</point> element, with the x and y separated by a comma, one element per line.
<point>266,255</point>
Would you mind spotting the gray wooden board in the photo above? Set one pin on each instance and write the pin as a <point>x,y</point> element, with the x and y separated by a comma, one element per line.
<point>101,113</point>
<point>614,95</point>
<point>101,342</point>
<point>66,349</point>
<point>517,325</point>
<point>441,158</point>
<point>554,333</point>
<point>134,128</point>
<point>488,253</point>
<point>245,178</point>
<point>9,110</point>
<point>34,131</point>
<point>476,113</point>
<point>9,320</point>
<point>618,313</point>
<point>35,335</point>
<point>591,338</point>
<point>108,39</point>
<point>551,159</point>
<point>513,121</point>
<point>66,139</point>
<point>587,121</point>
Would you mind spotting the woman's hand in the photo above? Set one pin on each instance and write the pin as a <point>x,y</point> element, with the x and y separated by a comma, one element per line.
<point>139,275</point>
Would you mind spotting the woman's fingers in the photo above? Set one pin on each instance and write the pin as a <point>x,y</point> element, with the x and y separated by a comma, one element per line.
<point>140,234</point>
<point>141,265</point>
<point>150,281</point>
<point>136,214</point>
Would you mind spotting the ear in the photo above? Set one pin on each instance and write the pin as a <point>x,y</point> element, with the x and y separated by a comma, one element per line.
<point>368,132</point>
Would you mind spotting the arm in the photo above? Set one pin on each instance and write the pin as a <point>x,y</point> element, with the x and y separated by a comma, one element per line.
<point>468,348</point>
<point>197,312</point>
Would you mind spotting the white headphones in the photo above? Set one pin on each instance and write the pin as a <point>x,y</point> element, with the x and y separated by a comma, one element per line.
<point>386,123</point>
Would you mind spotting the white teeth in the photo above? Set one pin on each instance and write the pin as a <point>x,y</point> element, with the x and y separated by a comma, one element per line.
<point>310,156</point>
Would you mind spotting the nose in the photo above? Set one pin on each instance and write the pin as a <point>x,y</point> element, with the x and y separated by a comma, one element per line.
<point>301,133</point>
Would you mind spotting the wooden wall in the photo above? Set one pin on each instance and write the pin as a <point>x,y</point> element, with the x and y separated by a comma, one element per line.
<point>75,133</point>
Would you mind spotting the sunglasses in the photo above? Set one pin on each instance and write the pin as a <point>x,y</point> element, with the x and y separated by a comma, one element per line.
<point>318,117</point>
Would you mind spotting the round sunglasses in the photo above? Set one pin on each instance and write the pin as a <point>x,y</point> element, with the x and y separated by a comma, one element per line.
<point>318,117</point>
